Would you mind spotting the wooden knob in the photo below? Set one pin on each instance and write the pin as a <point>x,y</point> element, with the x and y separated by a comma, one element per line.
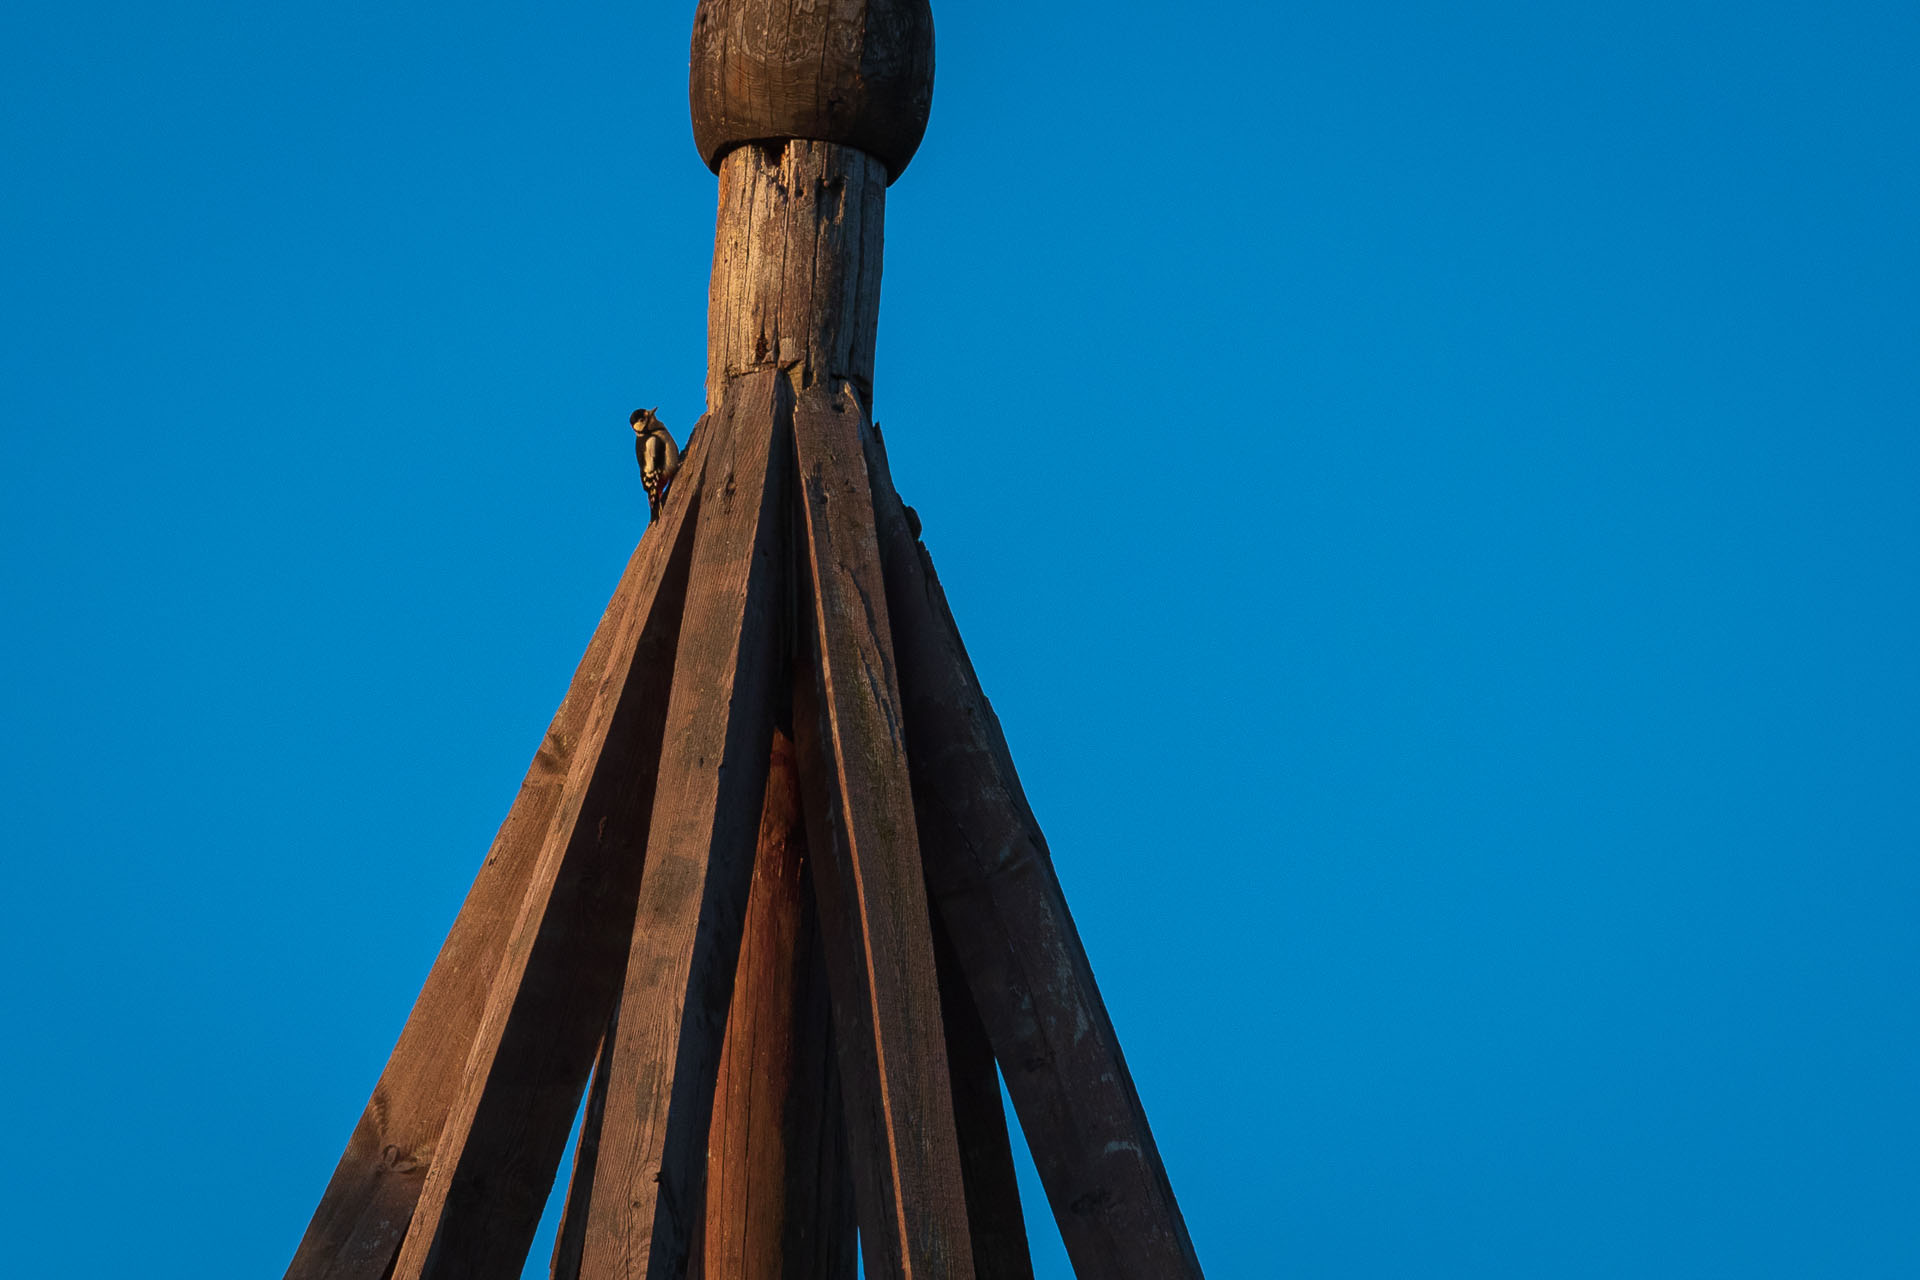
<point>854,72</point>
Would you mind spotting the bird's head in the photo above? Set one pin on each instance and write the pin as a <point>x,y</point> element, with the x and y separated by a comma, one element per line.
<point>645,420</point>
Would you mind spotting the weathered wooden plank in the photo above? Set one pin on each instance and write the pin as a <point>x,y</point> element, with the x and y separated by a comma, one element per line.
<point>557,982</point>
<point>873,905</point>
<point>693,895</point>
<point>364,1212</point>
<point>778,1205</point>
<point>995,1222</point>
<point>993,883</point>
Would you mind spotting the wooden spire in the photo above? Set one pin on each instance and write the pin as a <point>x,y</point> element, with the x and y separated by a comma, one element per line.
<point>771,884</point>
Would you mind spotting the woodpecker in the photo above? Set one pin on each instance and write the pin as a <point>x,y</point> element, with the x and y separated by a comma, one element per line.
<point>659,457</point>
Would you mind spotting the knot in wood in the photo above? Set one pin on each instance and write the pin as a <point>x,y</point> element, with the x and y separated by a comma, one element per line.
<point>854,72</point>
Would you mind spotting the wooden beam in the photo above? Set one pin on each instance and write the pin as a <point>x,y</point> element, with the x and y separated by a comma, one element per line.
<point>556,984</point>
<point>370,1199</point>
<point>569,1241</point>
<point>873,904</point>
<point>778,1205</point>
<point>822,1227</point>
<point>693,896</point>
<point>995,1222</point>
<point>993,883</point>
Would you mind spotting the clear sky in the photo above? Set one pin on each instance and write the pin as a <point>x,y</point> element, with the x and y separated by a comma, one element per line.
<point>1431,491</point>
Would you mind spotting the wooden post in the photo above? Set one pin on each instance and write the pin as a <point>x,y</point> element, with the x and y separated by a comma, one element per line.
<point>778,1202</point>
<point>569,1242</point>
<point>369,1202</point>
<point>796,265</point>
<point>555,986</point>
<point>367,1205</point>
<point>807,112</point>
<point>993,883</point>
<point>873,900</point>
<point>995,1222</point>
<point>693,892</point>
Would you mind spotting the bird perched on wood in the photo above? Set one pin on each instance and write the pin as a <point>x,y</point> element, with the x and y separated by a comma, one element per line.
<point>659,457</point>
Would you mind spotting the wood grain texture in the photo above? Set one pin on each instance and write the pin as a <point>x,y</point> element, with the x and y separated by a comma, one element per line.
<point>364,1213</point>
<point>854,72</point>
<point>693,895</point>
<point>995,1222</point>
<point>779,1205</point>
<point>993,883</point>
<point>797,251</point>
<point>557,981</point>
<point>873,905</point>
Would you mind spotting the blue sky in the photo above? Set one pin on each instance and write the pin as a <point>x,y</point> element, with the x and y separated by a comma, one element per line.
<point>1431,491</point>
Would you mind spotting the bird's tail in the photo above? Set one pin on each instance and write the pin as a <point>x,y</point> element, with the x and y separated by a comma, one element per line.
<point>653,509</point>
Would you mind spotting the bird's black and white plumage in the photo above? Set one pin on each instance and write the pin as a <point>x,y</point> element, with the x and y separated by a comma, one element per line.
<point>659,457</point>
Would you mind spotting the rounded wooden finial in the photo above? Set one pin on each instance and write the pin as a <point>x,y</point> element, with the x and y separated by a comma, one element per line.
<point>854,72</point>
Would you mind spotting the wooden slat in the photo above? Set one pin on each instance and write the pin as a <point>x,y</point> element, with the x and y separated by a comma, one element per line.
<point>558,980</point>
<point>367,1205</point>
<point>693,896</point>
<point>995,1222</point>
<point>993,882</point>
<point>873,905</point>
<point>778,1203</point>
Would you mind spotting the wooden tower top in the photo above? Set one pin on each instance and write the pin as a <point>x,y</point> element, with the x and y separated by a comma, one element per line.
<point>854,72</point>
<point>771,905</point>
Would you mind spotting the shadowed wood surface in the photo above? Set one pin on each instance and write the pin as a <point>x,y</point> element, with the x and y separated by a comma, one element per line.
<point>854,72</point>
<point>994,885</point>
<point>873,905</point>
<point>693,895</point>
<point>778,1202</point>
<point>557,982</point>
<point>796,265</point>
<point>364,1213</point>
<point>995,1222</point>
